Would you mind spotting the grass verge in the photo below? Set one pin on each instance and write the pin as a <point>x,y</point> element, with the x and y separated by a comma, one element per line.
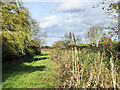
<point>37,72</point>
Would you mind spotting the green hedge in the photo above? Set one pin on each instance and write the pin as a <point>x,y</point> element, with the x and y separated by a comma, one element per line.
<point>9,53</point>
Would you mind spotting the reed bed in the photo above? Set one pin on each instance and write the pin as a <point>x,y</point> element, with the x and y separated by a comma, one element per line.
<point>87,69</point>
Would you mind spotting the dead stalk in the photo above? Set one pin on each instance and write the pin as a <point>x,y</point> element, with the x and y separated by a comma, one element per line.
<point>73,60</point>
<point>90,80</point>
<point>75,55</point>
<point>112,69</point>
<point>100,70</point>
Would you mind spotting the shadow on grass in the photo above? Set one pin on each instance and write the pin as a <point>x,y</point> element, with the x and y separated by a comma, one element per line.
<point>35,59</point>
<point>44,54</point>
<point>19,68</point>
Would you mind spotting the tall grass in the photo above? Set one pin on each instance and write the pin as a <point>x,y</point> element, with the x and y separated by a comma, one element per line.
<point>87,69</point>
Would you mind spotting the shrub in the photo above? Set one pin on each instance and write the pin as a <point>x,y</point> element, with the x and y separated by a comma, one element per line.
<point>30,52</point>
<point>9,53</point>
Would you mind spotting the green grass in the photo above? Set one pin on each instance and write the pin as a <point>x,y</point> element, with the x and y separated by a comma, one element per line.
<point>83,45</point>
<point>37,72</point>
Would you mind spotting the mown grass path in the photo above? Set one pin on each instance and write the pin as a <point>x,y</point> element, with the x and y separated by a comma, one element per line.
<point>37,72</point>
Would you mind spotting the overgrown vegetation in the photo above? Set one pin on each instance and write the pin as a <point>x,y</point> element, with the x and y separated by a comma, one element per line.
<point>19,30</point>
<point>75,65</point>
<point>88,68</point>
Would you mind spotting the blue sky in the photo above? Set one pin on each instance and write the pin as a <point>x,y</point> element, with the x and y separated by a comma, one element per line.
<point>58,18</point>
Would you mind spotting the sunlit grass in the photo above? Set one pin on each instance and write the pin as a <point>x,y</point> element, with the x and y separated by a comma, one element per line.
<point>35,74</point>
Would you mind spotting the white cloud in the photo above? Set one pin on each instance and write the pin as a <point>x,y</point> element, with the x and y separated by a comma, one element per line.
<point>72,5</point>
<point>76,17</point>
<point>49,21</point>
<point>68,6</point>
<point>88,15</point>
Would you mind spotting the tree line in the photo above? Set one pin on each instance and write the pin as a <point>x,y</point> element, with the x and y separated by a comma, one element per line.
<point>21,34</point>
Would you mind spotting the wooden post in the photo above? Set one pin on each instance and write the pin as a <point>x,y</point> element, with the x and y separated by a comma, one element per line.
<point>104,43</point>
<point>110,43</point>
<point>74,49</point>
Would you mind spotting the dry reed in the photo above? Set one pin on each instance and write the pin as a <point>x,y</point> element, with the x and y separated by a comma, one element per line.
<point>84,68</point>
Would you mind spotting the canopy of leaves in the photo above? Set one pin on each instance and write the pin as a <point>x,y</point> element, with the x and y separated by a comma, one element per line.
<point>20,33</point>
<point>15,25</point>
<point>112,10</point>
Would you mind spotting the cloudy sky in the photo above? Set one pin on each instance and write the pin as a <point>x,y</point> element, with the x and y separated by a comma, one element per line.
<point>58,18</point>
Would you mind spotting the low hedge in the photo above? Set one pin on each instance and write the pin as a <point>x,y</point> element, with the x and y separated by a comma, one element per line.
<point>9,53</point>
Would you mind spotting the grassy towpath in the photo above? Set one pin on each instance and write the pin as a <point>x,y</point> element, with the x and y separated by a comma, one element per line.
<point>37,72</point>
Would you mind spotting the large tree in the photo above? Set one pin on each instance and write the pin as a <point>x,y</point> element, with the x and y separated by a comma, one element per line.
<point>112,10</point>
<point>15,25</point>
<point>18,30</point>
<point>94,33</point>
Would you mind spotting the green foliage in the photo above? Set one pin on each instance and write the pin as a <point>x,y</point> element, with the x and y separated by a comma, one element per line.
<point>30,52</point>
<point>62,48</point>
<point>82,44</point>
<point>33,48</point>
<point>15,25</point>
<point>20,33</point>
<point>9,53</point>
<point>112,10</point>
<point>34,72</point>
<point>114,50</point>
<point>58,44</point>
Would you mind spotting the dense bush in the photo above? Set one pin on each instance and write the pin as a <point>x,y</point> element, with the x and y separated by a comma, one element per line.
<point>33,49</point>
<point>115,51</point>
<point>9,53</point>
<point>82,47</point>
<point>17,28</point>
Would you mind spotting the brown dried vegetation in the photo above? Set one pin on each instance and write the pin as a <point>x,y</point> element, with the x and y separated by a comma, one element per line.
<point>86,69</point>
